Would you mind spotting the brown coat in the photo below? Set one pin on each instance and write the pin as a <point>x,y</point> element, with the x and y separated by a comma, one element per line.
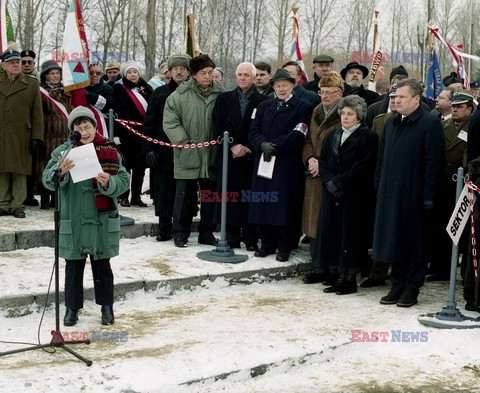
<point>55,126</point>
<point>379,123</point>
<point>320,128</point>
<point>20,121</point>
<point>455,147</point>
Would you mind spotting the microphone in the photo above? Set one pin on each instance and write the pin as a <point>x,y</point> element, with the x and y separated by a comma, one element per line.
<point>74,136</point>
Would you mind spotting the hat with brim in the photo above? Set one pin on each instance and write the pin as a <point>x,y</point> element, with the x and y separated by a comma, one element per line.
<point>351,66</point>
<point>393,91</point>
<point>475,85</point>
<point>462,96</point>
<point>281,75</point>
<point>10,55</point>
<point>28,53</point>
<point>48,66</point>
<point>112,66</point>
<point>452,78</point>
<point>78,112</point>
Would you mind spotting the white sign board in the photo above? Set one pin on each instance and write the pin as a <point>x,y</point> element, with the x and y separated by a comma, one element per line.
<point>460,215</point>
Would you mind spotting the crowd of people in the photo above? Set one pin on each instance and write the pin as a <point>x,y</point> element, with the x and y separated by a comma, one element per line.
<point>349,168</point>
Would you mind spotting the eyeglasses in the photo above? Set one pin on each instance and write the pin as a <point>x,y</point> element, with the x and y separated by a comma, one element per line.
<point>27,62</point>
<point>95,72</point>
<point>327,93</point>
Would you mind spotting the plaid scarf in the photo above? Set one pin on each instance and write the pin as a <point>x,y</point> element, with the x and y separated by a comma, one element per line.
<point>107,154</point>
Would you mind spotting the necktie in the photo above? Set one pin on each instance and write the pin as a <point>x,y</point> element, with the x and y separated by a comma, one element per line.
<point>280,104</point>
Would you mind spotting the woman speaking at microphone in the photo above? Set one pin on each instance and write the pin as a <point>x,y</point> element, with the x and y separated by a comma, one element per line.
<point>89,220</point>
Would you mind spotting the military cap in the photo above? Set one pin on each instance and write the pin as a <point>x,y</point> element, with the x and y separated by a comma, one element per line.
<point>28,53</point>
<point>462,96</point>
<point>10,55</point>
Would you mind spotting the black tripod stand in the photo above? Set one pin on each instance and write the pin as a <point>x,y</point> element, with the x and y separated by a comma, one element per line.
<point>57,338</point>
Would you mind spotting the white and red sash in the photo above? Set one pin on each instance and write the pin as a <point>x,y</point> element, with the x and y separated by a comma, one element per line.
<point>60,107</point>
<point>140,102</point>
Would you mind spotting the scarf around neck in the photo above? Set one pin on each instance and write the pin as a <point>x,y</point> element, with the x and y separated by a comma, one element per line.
<point>107,154</point>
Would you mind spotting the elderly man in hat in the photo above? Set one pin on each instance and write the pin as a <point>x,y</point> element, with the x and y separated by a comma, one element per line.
<point>160,158</point>
<point>353,75</point>
<point>28,63</point>
<point>278,131</point>
<point>21,132</point>
<point>112,73</point>
<point>321,65</point>
<point>456,138</point>
<point>453,80</point>
<point>187,118</point>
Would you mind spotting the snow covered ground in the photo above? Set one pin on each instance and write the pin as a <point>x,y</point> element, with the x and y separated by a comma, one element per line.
<point>292,337</point>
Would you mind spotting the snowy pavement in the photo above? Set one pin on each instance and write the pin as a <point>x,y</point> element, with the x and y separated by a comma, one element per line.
<point>279,336</point>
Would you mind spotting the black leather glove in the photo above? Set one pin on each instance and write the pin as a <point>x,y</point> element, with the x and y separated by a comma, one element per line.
<point>151,159</point>
<point>34,145</point>
<point>333,189</point>
<point>269,149</point>
<point>428,205</point>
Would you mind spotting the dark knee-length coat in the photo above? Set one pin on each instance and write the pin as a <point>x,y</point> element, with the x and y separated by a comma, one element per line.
<point>289,173</point>
<point>227,116</point>
<point>410,164</point>
<point>345,224</point>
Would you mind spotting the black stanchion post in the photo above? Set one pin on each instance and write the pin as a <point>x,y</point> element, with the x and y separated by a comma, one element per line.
<point>223,253</point>
<point>450,316</point>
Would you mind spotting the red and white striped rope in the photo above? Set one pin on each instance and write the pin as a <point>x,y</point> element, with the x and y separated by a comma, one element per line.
<point>471,188</point>
<point>125,123</point>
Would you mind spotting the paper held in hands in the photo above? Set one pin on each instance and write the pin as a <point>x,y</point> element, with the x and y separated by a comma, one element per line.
<point>86,163</point>
<point>265,169</point>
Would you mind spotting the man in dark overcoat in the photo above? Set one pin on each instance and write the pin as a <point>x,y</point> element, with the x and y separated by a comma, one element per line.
<point>233,113</point>
<point>160,158</point>
<point>21,132</point>
<point>409,168</point>
<point>279,130</point>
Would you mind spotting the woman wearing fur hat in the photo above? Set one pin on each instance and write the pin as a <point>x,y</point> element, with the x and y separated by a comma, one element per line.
<point>132,94</point>
<point>89,219</point>
<point>56,107</point>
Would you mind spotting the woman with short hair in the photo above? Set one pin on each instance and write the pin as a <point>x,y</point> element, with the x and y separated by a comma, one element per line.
<point>347,167</point>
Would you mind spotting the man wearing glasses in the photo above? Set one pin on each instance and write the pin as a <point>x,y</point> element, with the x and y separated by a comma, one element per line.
<point>28,63</point>
<point>99,94</point>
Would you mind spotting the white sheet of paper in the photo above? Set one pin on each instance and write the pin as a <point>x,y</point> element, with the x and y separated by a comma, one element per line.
<point>86,163</point>
<point>265,169</point>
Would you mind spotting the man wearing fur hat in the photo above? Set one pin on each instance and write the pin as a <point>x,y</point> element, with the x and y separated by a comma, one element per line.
<point>353,75</point>
<point>187,118</point>
<point>112,73</point>
<point>160,158</point>
<point>21,132</point>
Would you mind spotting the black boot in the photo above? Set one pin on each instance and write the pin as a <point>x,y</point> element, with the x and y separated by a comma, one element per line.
<point>107,315</point>
<point>71,317</point>
<point>349,285</point>
<point>337,285</point>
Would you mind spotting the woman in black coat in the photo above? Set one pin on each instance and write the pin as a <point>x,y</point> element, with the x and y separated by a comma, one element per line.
<point>347,167</point>
<point>132,94</point>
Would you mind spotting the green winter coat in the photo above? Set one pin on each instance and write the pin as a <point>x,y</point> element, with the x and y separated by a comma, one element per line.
<point>187,118</point>
<point>82,231</point>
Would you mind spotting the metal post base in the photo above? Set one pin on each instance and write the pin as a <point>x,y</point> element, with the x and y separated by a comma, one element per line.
<point>449,318</point>
<point>223,253</point>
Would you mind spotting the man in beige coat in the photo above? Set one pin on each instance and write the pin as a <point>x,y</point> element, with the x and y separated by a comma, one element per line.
<point>21,132</point>
<point>325,119</point>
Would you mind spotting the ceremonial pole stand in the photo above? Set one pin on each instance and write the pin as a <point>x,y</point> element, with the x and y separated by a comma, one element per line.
<point>223,252</point>
<point>57,338</point>
<point>124,221</point>
<point>450,316</point>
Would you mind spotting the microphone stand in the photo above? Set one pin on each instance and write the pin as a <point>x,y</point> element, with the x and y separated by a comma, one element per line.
<point>57,338</point>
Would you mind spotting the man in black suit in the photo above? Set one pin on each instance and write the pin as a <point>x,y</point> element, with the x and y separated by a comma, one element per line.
<point>233,112</point>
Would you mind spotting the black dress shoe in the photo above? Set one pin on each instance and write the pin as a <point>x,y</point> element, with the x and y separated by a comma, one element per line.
<point>31,202</point>
<point>163,237</point>
<point>210,241</point>
<point>262,253</point>
<point>180,243</point>
<point>71,317</point>
<point>470,306</point>
<point>252,247</point>
<point>313,278</point>
<point>4,213</point>
<point>371,282</point>
<point>305,240</point>
<point>391,297</point>
<point>124,202</point>
<point>282,256</point>
<point>408,299</point>
<point>138,202</point>
<point>107,315</point>
<point>18,213</point>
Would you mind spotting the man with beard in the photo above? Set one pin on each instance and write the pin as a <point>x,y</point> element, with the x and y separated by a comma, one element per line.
<point>160,158</point>
<point>353,75</point>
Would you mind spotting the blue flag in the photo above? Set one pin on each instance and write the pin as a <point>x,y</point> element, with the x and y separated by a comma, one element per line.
<point>434,84</point>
